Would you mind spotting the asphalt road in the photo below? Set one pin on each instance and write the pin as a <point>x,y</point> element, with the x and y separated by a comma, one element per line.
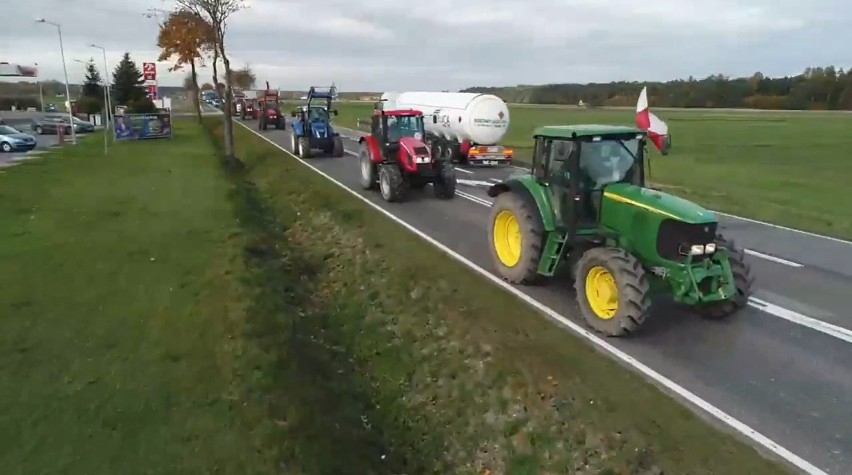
<point>781,366</point>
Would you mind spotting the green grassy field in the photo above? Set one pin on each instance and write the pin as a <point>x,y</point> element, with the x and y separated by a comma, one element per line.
<point>787,168</point>
<point>122,347</point>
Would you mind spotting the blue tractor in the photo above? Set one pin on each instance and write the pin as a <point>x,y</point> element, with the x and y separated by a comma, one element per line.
<point>312,125</point>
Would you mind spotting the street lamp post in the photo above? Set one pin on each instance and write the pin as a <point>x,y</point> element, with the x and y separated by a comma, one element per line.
<point>107,92</point>
<point>65,70</point>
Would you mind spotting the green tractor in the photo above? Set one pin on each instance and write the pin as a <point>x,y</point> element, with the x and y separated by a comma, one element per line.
<point>584,208</point>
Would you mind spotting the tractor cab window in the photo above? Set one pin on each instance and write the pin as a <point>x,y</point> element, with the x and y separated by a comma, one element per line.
<point>560,150</point>
<point>404,126</point>
<point>318,114</point>
<point>609,161</point>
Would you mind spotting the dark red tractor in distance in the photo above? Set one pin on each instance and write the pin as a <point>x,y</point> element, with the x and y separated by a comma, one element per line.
<point>394,157</point>
<point>269,110</point>
<point>249,109</point>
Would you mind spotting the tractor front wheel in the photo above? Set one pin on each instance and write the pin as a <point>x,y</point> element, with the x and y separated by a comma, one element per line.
<point>368,170</point>
<point>445,182</point>
<point>294,144</point>
<point>612,291</point>
<point>516,237</point>
<point>304,147</point>
<point>743,281</point>
<point>391,183</point>
<point>338,150</point>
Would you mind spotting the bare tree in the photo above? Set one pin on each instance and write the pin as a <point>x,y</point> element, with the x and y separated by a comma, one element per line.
<point>217,12</point>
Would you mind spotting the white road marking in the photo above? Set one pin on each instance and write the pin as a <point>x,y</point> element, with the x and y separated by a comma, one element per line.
<point>473,182</point>
<point>495,180</point>
<point>785,228</point>
<point>792,316</point>
<point>473,198</point>
<point>463,170</point>
<point>663,381</point>
<point>773,258</point>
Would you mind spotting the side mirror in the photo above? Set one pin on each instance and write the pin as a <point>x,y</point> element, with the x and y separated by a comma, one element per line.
<point>434,119</point>
<point>667,145</point>
<point>334,112</point>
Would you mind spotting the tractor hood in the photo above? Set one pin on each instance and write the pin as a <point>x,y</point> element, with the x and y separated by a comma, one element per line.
<point>415,148</point>
<point>320,130</point>
<point>659,202</point>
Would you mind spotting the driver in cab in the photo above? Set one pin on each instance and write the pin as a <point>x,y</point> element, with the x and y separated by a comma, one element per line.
<point>605,163</point>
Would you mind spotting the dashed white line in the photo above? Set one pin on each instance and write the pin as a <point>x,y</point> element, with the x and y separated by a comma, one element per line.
<point>792,316</point>
<point>473,198</point>
<point>773,258</point>
<point>463,170</point>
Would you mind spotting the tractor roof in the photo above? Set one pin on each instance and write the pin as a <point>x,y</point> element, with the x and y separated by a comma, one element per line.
<point>400,112</point>
<point>584,130</point>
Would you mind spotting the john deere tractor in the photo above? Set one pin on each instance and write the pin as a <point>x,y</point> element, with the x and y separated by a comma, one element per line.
<point>584,208</point>
<point>312,125</point>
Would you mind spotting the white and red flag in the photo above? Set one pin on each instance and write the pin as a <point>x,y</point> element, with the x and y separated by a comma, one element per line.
<point>658,131</point>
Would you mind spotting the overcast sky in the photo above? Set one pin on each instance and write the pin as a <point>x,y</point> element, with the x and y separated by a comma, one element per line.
<point>452,44</point>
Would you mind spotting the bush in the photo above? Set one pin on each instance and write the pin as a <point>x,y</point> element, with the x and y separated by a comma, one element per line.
<point>90,105</point>
<point>143,105</point>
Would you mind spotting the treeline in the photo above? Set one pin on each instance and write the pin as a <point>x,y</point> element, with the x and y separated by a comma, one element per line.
<point>817,88</point>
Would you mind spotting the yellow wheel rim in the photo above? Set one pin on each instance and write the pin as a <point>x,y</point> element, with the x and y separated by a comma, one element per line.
<point>507,238</point>
<point>602,293</point>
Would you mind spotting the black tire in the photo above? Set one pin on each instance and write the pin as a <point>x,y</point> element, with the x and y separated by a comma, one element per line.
<point>369,172</point>
<point>528,219</point>
<point>392,185</point>
<point>304,147</point>
<point>294,145</point>
<point>445,182</point>
<point>338,150</point>
<point>39,130</point>
<point>631,282</point>
<point>743,281</point>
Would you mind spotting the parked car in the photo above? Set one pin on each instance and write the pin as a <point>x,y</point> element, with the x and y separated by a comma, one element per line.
<point>13,140</point>
<point>49,124</point>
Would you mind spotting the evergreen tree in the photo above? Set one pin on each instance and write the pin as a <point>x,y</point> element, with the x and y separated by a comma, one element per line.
<point>92,82</point>
<point>127,82</point>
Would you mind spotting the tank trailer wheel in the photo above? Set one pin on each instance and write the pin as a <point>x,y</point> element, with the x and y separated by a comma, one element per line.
<point>369,176</point>
<point>612,291</point>
<point>743,281</point>
<point>304,147</point>
<point>445,182</point>
<point>516,238</point>
<point>391,183</point>
<point>338,150</point>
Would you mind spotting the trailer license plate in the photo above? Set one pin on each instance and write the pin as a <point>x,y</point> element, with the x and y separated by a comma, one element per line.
<point>493,149</point>
<point>489,162</point>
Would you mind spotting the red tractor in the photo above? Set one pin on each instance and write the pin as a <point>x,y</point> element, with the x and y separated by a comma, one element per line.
<point>249,109</point>
<point>394,158</point>
<point>269,110</point>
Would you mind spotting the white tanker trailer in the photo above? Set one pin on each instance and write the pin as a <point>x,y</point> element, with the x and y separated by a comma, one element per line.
<point>461,126</point>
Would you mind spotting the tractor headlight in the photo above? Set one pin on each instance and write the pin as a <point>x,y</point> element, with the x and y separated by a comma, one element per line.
<point>696,250</point>
<point>710,248</point>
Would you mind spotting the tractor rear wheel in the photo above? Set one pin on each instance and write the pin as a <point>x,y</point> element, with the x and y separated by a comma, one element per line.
<point>516,237</point>
<point>445,182</point>
<point>304,147</point>
<point>369,175</point>
<point>743,281</point>
<point>612,291</point>
<point>391,183</point>
<point>337,150</point>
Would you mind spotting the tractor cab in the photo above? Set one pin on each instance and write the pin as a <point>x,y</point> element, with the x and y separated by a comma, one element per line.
<point>312,128</point>
<point>388,127</point>
<point>575,164</point>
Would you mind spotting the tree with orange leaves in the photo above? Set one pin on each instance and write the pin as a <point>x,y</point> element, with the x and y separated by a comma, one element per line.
<point>186,38</point>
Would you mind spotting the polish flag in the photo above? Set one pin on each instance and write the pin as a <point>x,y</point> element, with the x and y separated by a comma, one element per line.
<point>658,131</point>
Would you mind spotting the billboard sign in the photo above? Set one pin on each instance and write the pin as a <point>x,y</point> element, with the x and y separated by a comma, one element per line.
<point>149,71</point>
<point>143,126</point>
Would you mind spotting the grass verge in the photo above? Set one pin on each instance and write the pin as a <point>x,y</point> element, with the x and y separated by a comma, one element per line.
<point>780,167</point>
<point>393,359</point>
<point>123,347</point>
